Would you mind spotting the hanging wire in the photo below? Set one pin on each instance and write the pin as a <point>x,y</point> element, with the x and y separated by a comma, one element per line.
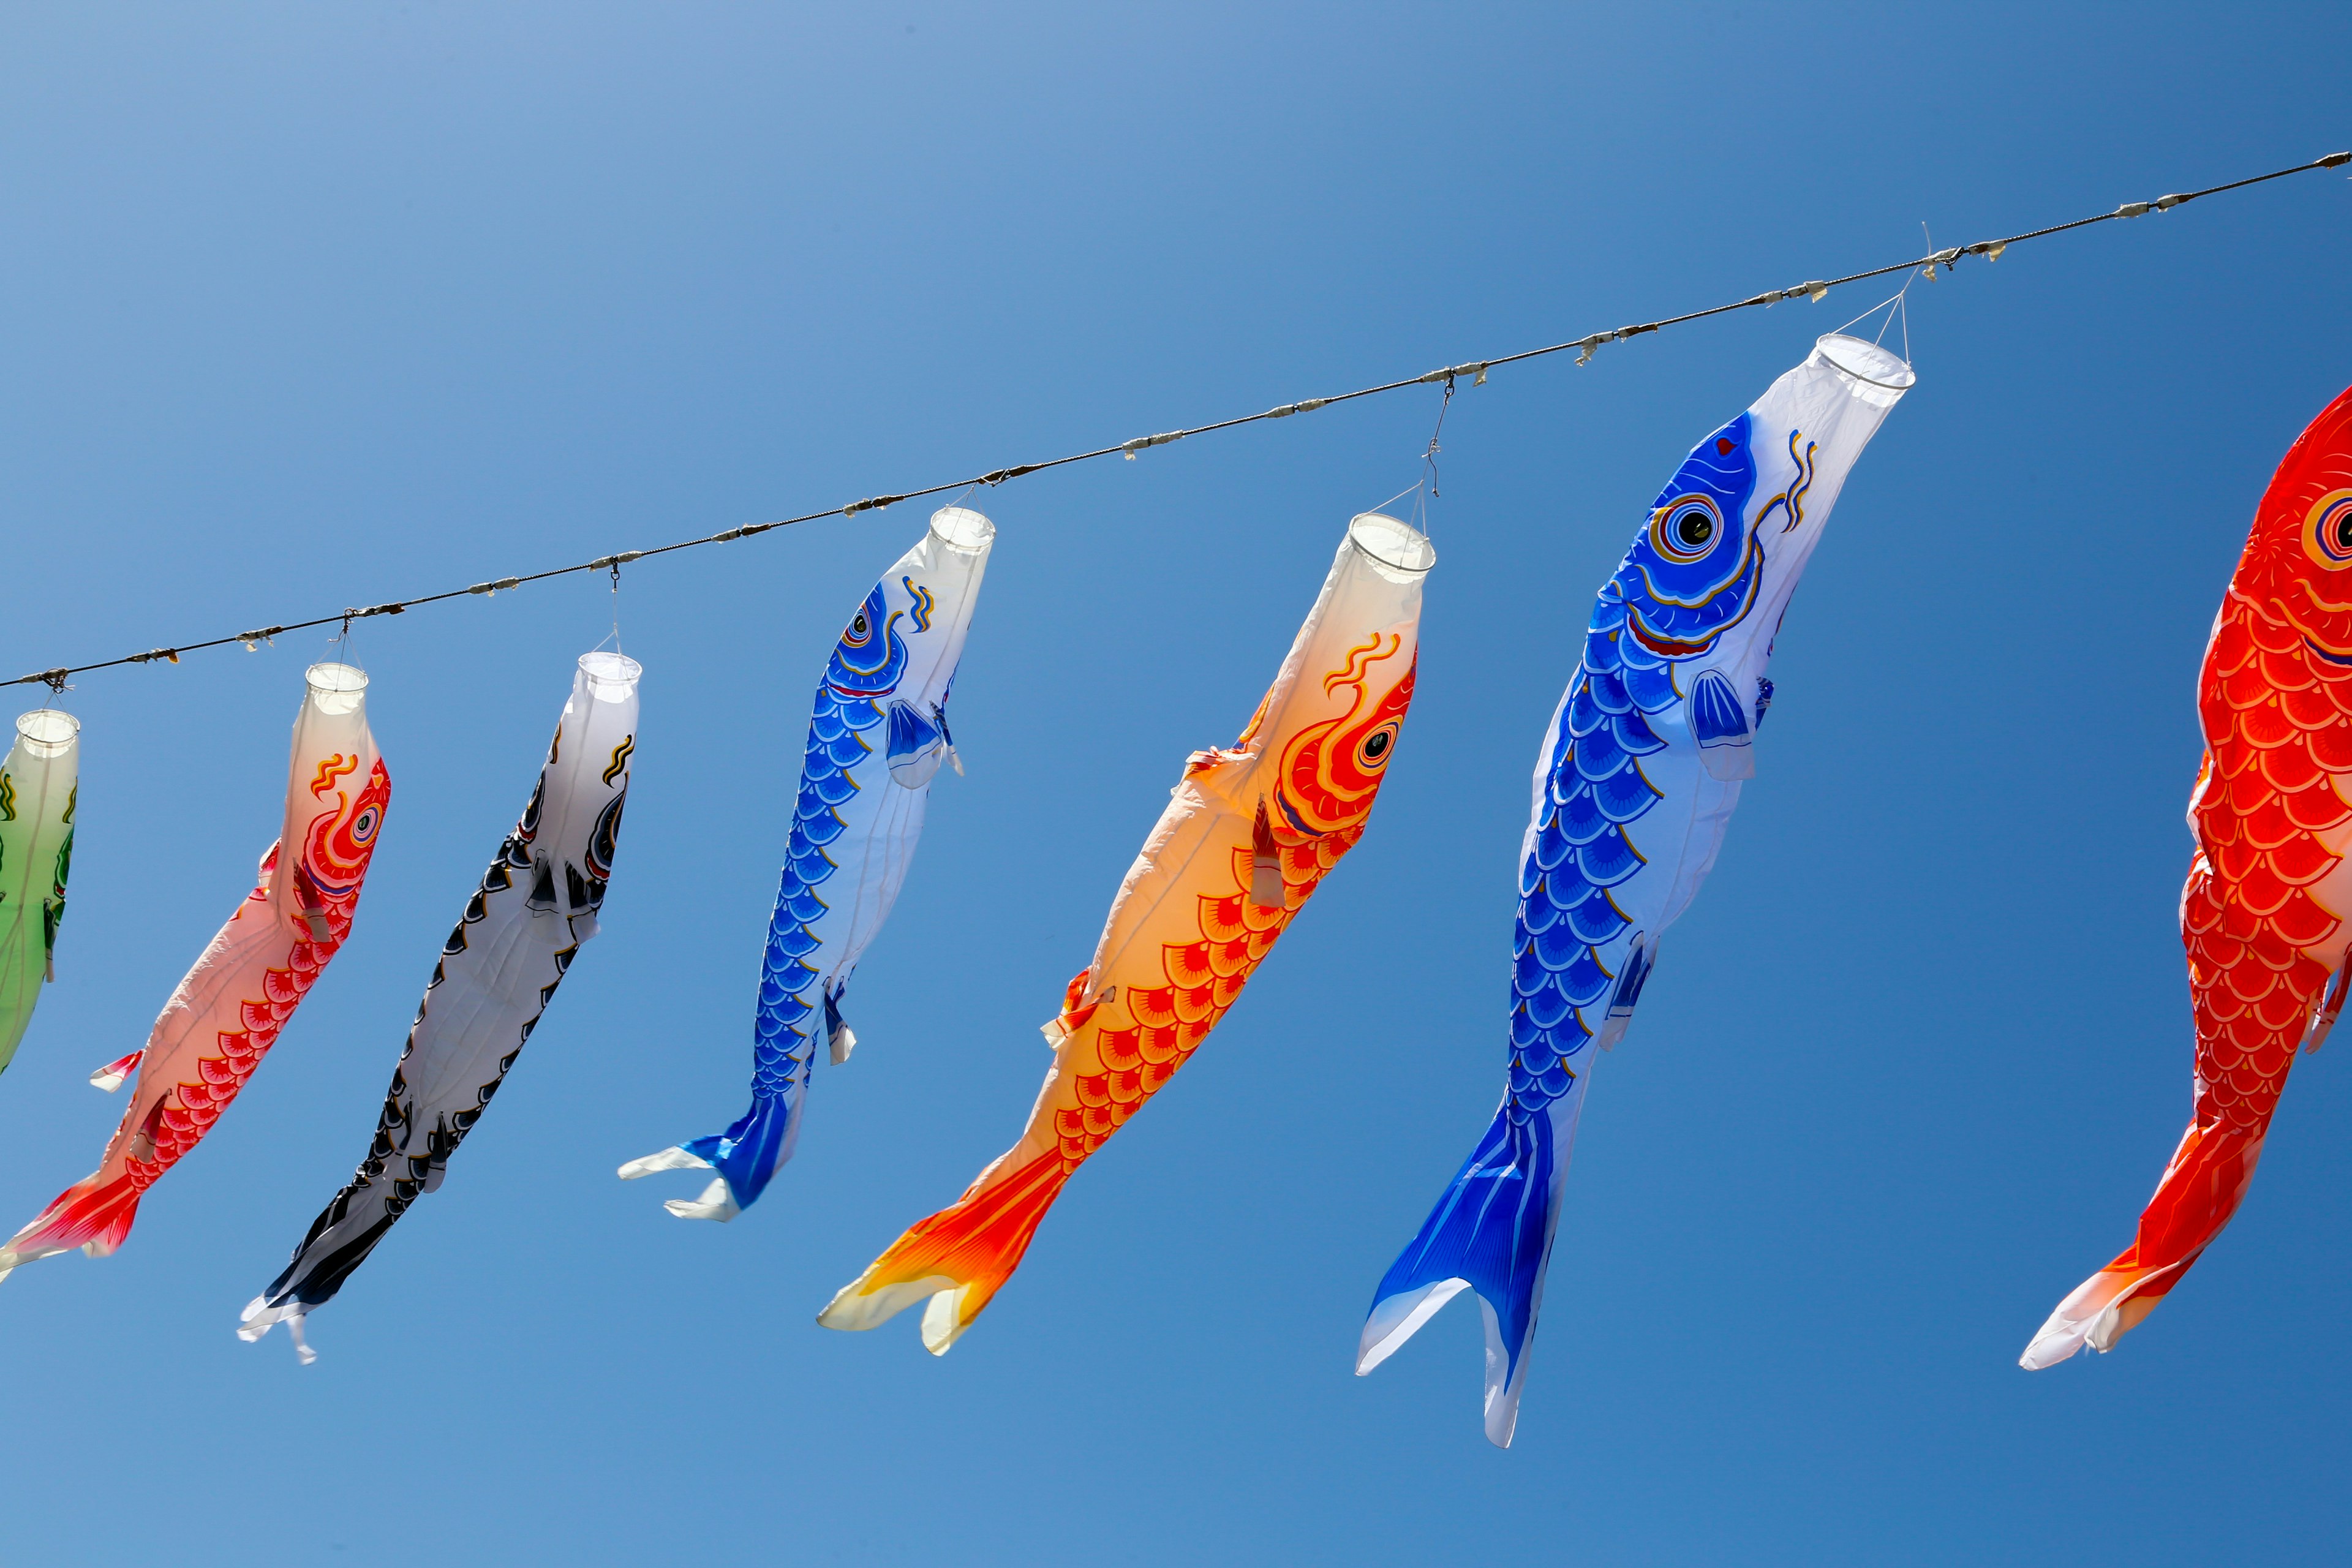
<point>1585,347</point>
<point>1428,486</point>
<point>1896,308</point>
<point>616,638</point>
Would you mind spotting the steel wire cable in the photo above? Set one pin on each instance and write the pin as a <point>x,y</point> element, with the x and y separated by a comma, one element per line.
<point>1585,346</point>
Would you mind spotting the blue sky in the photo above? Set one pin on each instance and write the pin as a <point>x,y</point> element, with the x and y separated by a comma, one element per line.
<point>307,307</point>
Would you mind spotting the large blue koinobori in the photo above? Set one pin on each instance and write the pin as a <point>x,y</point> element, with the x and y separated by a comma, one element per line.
<point>1636,782</point>
<point>876,737</point>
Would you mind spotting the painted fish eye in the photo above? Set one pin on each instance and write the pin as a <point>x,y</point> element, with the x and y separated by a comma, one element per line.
<point>2328,530</point>
<point>1685,529</point>
<point>1373,749</point>
<point>859,629</point>
<point>363,825</point>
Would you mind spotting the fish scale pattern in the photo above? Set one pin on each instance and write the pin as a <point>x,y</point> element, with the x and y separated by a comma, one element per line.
<point>330,867</point>
<point>181,1119</point>
<point>1594,789</point>
<point>1204,978</point>
<point>2278,723</point>
<point>783,1042</point>
<point>2274,700</point>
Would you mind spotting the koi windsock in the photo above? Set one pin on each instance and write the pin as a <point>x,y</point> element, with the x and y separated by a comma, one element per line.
<point>877,738</point>
<point>227,1013</point>
<point>1248,836</point>
<point>510,949</point>
<point>1634,789</point>
<point>2262,916</point>
<point>36,812</point>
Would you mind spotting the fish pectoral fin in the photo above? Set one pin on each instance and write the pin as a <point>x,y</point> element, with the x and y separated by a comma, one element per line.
<point>839,1041</point>
<point>915,748</point>
<point>110,1077</point>
<point>2324,1012</point>
<point>1628,993</point>
<point>1719,722</point>
<point>1265,863</point>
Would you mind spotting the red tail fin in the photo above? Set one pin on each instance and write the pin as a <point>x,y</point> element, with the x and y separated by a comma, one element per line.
<point>957,1258</point>
<point>2200,1191</point>
<point>95,1214</point>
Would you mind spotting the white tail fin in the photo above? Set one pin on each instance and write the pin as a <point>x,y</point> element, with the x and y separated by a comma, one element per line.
<point>110,1077</point>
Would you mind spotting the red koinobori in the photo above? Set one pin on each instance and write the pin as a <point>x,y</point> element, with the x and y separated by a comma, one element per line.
<point>227,1013</point>
<point>2263,916</point>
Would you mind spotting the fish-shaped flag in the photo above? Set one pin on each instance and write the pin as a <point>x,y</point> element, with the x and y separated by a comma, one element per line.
<point>38,791</point>
<point>225,1015</point>
<point>2264,914</point>
<point>1633,788</point>
<point>1249,834</point>
<point>878,734</point>
<point>510,948</point>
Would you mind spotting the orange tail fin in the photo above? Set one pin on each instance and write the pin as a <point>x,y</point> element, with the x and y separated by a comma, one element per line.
<point>2200,1191</point>
<point>95,1214</point>
<point>957,1258</point>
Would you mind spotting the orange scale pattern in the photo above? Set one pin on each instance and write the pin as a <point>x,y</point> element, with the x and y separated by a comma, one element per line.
<point>1168,1023</point>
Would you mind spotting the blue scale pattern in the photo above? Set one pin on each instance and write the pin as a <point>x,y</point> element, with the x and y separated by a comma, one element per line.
<point>851,701</point>
<point>1493,1227</point>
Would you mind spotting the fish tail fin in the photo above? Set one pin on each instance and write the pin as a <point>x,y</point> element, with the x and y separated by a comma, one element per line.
<point>747,1156</point>
<point>95,1214</point>
<point>2200,1191</point>
<point>1490,1232</point>
<point>957,1258</point>
<point>259,1317</point>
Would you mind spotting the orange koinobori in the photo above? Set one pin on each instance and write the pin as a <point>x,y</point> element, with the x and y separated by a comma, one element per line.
<point>2262,915</point>
<point>225,1015</point>
<point>1249,834</point>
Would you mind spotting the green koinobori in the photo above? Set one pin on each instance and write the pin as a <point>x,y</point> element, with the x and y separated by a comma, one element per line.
<point>36,812</point>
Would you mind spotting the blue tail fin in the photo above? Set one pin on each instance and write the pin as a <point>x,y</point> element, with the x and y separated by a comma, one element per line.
<point>746,1156</point>
<point>1490,1232</point>
<point>751,1149</point>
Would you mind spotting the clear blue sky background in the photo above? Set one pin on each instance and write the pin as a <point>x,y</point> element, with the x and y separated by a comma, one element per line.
<point>305,307</point>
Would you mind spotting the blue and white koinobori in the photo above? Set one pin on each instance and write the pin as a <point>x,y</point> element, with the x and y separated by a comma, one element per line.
<point>877,737</point>
<point>1634,789</point>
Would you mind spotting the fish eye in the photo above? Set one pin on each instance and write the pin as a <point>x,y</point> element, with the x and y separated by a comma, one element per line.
<point>2327,531</point>
<point>363,825</point>
<point>1376,744</point>
<point>1685,529</point>
<point>858,628</point>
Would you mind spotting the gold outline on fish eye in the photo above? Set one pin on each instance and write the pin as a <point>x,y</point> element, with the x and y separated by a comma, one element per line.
<point>2334,507</point>
<point>1673,551</point>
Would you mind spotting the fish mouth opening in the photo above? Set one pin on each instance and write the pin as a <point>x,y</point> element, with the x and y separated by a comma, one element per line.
<point>1667,647</point>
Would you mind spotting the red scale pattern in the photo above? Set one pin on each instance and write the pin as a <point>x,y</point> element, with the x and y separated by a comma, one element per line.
<point>181,1120</point>
<point>97,1212</point>
<point>2276,709</point>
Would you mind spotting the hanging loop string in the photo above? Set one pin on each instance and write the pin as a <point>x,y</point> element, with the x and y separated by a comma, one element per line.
<point>1815,290</point>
